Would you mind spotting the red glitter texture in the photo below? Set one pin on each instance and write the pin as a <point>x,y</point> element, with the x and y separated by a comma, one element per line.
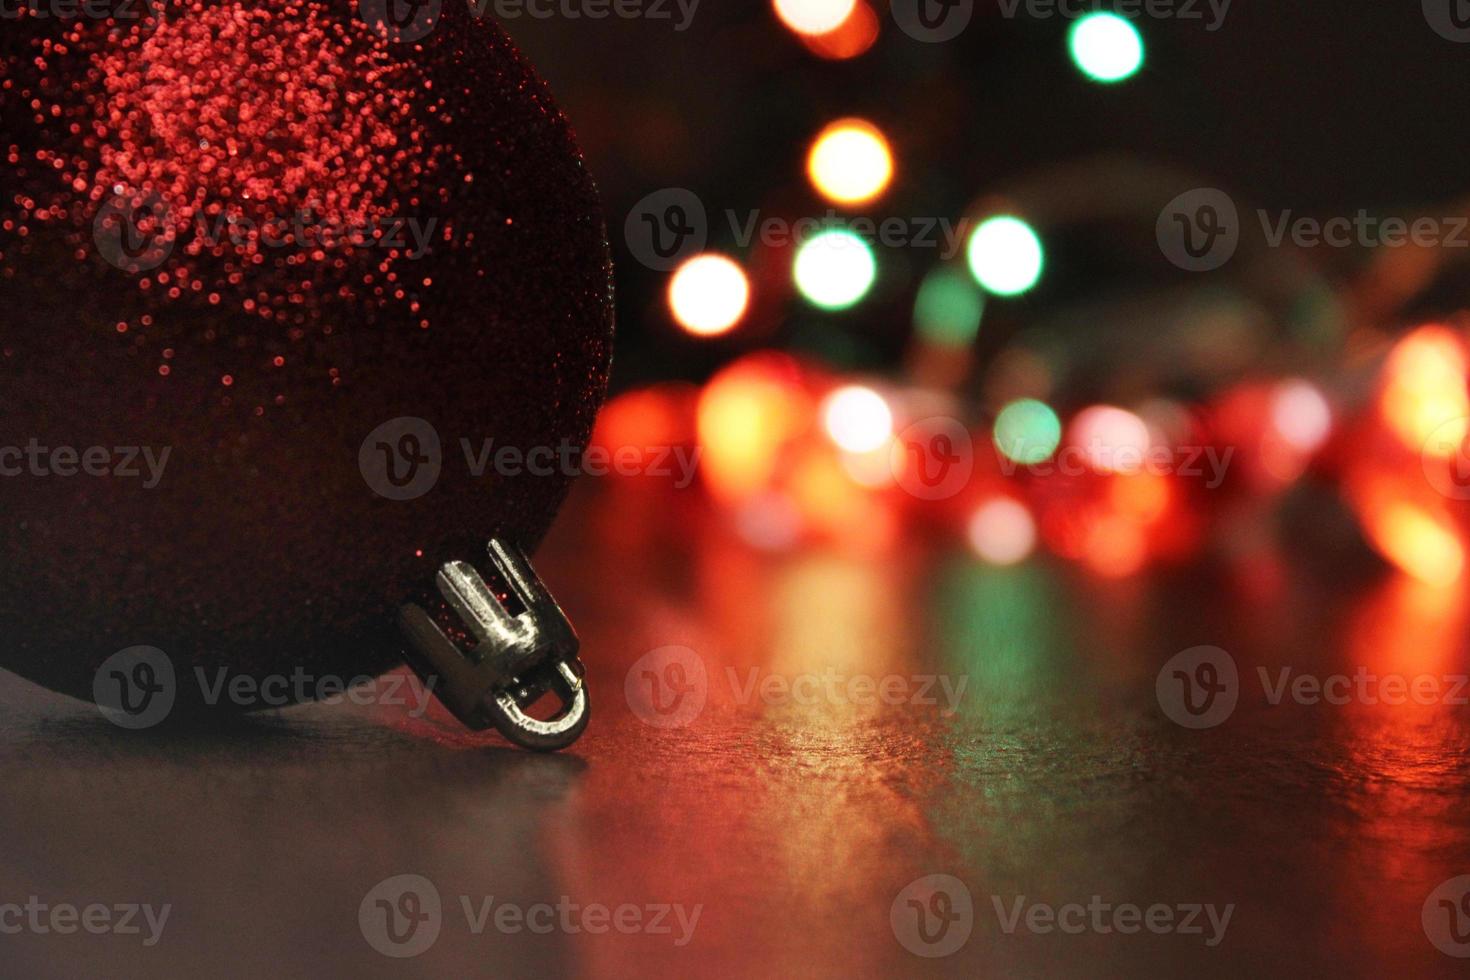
<point>239,132</point>
<point>272,152</point>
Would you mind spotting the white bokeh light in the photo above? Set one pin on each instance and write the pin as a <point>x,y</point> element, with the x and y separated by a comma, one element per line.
<point>708,295</point>
<point>857,419</point>
<point>1005,255</point>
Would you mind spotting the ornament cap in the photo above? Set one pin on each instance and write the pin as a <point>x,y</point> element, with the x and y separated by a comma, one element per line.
<point>517,647</point>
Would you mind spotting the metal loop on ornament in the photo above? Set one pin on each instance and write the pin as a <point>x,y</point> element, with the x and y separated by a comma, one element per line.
<point>555,733</point>
<point>515,658</point>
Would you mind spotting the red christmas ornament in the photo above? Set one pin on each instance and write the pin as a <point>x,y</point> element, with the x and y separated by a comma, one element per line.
<point>240,244</point>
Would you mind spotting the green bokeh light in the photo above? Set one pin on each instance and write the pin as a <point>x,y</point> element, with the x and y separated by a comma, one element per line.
<point>1105,47</point>
<point>948,308</point>
<point>1027,431</point>
<point>834,270</point>
<point>1005,255</point>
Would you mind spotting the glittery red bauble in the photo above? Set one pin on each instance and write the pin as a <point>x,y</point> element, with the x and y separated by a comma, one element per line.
<point>251,232</point>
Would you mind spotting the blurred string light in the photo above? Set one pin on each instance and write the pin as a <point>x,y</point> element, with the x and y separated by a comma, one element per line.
<point>1002,531</point>
<point>1141,497</point>
<point>853,37</point>
<point>770,521</point>
<point>1423,403</point>
<point>1115,546</point>
<point>1281,426</point>
<point>873,469</point>
<point>834,269</point>
<point>746,415</point>
<point>1301,416</point>
<point>708,295</point>
<point>835,507</point>
<point>857,419</point>
<point>1112,440</point>
<point>1420,542</point>
<point>850,162</point>
<point>1105,47</point>
<point>1424,399</point>
<point>948,309</point>
<point>1027,431</point>
<point>814,16</point>
<point>1005,255</point>
<point>655,416</point>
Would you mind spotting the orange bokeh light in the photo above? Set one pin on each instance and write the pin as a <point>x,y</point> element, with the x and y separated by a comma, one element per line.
<point>747,413</point>
<point>853,37</point>
<point>1424,392</point>
<point>648,419</point>
<point>1420,543</point>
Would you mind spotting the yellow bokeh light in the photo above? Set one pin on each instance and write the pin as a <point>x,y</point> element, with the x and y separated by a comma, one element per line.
<point>746,416</point>
<point>850,162</point>
<point>708,295</point>
<point>1424,391</point>
<point>813,16</point>
<point>1417,542</point>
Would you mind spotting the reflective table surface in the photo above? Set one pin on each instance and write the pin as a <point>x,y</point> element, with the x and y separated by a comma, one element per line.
<point>803,764</point>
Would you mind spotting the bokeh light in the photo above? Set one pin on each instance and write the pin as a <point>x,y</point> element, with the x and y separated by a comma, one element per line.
<point>648,418</point>
<point>1112,440</point>
<point>850,162</point>
<point>857,419</point>
<point>1424,400</point>
<point>770,521</point>
<point>1300,415</point>
<point>1027,431</point>
<point>872,469</point>
<point>835,269</point>
<point>1115,546</point>
<point>1141,497</point>
<point>747,413</point>
<point>1005,255</point>
<point>1002,531</point>
<point>853,37</point>
<point>834,507</point>
<point>1417,541</point>
<point>708,295</point>
<point>948,309</point>
<point>1105,47</point>
<point>813,16</point>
